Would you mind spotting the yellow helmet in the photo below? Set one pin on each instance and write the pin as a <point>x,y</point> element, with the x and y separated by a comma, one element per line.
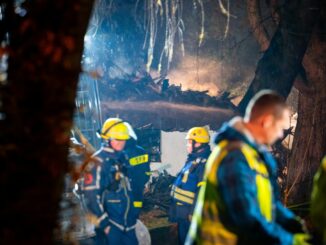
<point>198,134</point>
<point>114,128</point>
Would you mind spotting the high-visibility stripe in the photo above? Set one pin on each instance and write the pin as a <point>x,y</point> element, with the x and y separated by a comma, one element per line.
<point>214,161</point>
<point>138,204</point>
<point>216,234</point>
<point>183,198</point>
<point>114,201</point>
<point>200,183</point>
<point>121,227</point>
<point>108,149</point>
<point>100,219</point>
<point>90,188</point>
<point>264,196</point>
<point>254,164</point>
<point>185,176</point>
<point>184,192</point>
<point>264,188</point>
<point>99,203</point>
<point>138,160</point>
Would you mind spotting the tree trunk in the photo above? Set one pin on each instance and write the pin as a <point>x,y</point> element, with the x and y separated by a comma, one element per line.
<point>36,107</point>
<point>277,70</point>
<point>281,62</point>
<point>309,144</point>
<point>256,23</point>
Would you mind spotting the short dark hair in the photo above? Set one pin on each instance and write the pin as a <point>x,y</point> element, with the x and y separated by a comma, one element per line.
<point>265,102</point>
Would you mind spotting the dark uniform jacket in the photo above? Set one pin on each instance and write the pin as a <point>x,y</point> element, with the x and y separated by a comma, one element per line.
<point>240,202</point>
<point>107,191</point>
<point>138,172</point>
<point>186,185</point>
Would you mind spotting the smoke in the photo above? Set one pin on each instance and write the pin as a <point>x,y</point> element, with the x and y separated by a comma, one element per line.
<point>205,73</point>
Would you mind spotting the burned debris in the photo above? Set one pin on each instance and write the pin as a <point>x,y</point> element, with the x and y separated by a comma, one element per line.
<point>157,194</point>
<point>148,89</point>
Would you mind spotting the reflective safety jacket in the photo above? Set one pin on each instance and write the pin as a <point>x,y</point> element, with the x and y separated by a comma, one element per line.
<point>186,185</point>
<point>107,192</point>
<point>318,200</point>
<point>138,171</point>
<point>239,203</point>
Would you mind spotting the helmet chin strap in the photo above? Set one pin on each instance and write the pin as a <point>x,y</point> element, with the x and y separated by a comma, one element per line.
<point>196,149</point>
<point>107,143</point>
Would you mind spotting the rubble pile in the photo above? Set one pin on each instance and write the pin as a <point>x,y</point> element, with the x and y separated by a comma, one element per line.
<point>148,89</point>
<point>158,192</point>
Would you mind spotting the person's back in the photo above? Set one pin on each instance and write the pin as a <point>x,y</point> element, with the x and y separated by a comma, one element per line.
<point>239,203</point>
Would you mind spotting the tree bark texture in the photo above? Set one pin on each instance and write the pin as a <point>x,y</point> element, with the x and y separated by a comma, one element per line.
<point>256,24</point>
<point>281,62</point>
<point>309,144</point>
<point>37,107</point>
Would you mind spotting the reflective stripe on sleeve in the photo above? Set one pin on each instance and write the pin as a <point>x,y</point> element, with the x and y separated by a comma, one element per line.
<point>189,194</point>
<point>183,198</point>
<point>138,204</point>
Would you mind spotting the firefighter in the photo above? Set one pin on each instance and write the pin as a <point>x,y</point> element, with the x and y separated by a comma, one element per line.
<point>239,203</point>
<point>106,187</point>
<point>318,201</point>
<point>189,180</point>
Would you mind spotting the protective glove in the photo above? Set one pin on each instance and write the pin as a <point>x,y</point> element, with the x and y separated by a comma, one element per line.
<point>295,225</point>
<point>301,239</point>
